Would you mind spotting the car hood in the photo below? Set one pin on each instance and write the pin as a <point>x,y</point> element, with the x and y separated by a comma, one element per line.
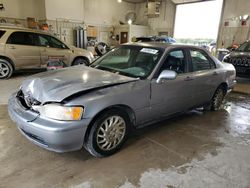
<point>55,86</point>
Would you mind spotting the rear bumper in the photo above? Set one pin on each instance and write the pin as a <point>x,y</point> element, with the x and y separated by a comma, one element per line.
<point>231,86</point>
<point>58,136</point>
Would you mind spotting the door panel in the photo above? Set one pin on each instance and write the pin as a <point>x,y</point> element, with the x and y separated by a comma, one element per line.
<point>24,56</point>
<point>205,76</point>
<point>53,49</point>
<point>171,96</point>
<point>124,37</point>
<point>205,84</point>
<point>23,50</point>
<point>48,54</point>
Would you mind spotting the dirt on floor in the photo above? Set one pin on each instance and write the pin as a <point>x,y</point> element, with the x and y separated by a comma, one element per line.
<point>196,149</point>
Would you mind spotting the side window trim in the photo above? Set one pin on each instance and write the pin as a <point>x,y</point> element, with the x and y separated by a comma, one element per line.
<point>48,38</point>
<point>211,62</point>
<point>165,57</point>
<point>25,33</point>
<point>52,37</point>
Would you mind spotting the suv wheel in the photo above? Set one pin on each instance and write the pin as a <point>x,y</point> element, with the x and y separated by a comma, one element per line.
<point>6,69</point>
<point>108,133</point>
<point>80,61</point>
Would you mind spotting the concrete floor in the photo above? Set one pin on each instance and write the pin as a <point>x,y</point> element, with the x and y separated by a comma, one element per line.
<point>196,149</point>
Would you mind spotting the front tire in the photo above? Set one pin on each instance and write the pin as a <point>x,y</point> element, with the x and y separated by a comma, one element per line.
<point>108,133</point>
<point>6,69</point>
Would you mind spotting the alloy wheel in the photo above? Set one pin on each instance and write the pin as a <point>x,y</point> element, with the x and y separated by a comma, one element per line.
<point>111,133</point>
<point>4,70</point>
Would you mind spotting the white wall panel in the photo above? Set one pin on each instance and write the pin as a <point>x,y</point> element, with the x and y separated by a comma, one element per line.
<point>163,23</point>
<point>21,9</point>
<point>66,9</point>
<point>234,32</point>
<point>106,12</point>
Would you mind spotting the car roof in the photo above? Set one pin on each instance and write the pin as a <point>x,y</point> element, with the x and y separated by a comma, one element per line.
<point>20,28</point>
<point>161,45</point>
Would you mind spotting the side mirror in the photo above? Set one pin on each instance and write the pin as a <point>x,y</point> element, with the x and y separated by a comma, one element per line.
<point>166,75</point>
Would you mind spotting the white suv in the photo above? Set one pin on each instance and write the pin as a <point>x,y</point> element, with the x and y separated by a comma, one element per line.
<point>22,48</point>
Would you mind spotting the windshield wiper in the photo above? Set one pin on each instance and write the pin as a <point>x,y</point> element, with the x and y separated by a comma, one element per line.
<point>128,74</point>
<point>105,69</point>
<point>116,71</point>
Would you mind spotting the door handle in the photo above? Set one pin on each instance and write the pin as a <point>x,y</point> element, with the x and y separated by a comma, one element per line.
<point>189,78</point>
<point>12,47</point>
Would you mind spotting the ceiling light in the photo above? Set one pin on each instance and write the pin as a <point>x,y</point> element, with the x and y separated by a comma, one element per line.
<point>129,21</point>
<point>119,1</point>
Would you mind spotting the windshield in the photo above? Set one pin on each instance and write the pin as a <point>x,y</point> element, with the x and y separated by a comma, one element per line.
<point>132,61</point>
<point>245,47</point>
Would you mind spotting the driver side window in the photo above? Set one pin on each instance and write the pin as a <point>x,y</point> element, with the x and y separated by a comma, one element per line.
<point>175,61</point>
<point>48,41</point>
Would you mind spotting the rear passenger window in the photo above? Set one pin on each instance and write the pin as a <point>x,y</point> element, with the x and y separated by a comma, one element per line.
<point>22,38</point>
<point>2,33</point>
<point>200,61</point>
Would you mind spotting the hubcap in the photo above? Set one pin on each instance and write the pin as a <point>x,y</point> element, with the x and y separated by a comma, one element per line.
<point>111,132</point>
<point>4,70</point>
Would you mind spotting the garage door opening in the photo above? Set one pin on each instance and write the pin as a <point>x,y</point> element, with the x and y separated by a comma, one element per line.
<point>198,23</point>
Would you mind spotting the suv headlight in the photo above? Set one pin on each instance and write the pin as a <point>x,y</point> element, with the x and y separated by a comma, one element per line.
<point>226,58</point>
<point>58,112</point>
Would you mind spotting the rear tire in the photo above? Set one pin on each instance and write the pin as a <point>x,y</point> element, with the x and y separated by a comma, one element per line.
<point>6,69</point>
<point>108,133</point>
<point>80,61</point>
<point>217,99</point>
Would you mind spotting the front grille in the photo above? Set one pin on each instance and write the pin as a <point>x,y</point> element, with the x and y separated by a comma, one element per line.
<point>26,100</point>
<point>21,99</point>
<point>240,61</point>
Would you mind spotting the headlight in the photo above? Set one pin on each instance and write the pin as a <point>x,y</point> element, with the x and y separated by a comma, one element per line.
<point>58,112</point>
<point>226,59</point>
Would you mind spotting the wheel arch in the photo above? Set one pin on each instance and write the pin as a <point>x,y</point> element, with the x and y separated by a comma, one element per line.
<point>8,60</point>
<point>80,57</point>
<point>223,85</point>
<point>124,108</point>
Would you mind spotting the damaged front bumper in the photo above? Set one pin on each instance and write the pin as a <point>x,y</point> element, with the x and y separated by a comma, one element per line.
<point>54,135</point>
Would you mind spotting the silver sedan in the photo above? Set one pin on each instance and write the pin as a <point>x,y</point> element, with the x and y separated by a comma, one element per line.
<point>133,85</point>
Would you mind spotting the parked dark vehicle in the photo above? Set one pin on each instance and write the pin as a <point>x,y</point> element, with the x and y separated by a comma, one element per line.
<point>163,39</point>
<point>131,86</point>
<point>240,58</point>
<point>145,39</point>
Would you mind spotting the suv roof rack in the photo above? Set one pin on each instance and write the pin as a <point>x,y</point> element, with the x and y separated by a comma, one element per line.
<point>10,25</point>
